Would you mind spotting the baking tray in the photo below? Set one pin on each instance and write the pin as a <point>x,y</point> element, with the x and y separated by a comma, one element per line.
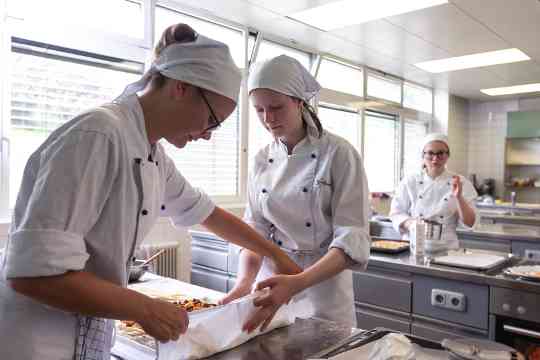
<point>370,336</point>
<point>471,260</point>
<point>521,272</point>
<point>405,246</point>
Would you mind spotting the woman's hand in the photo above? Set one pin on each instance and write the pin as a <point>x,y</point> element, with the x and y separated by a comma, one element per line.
<point>281,289</point>
<point>163,321</point>
<point>241,289</point>
<point>457,187</point>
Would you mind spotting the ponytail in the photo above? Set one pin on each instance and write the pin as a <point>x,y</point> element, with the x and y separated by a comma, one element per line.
<point>313,115</point>
<point>178,33</point>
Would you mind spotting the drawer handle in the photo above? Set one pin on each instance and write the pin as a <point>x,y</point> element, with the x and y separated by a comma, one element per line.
<point>520,331</point>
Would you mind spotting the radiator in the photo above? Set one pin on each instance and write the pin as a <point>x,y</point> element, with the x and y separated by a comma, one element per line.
<point>176,261</point>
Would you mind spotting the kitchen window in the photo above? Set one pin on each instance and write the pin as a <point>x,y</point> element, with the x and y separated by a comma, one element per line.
<point>212,165</point>
<point>120,17</point>
<point>383,87</point>
<point>340,121</point>
<point>417,97</point>
<point>268,50</point>
<point>414,133</point>
<point>381,150</point>
<point>336,76</point>
<point>49,88</point>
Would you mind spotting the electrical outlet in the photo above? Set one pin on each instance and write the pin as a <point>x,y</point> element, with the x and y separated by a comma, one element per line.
<point>438,298</point>
<point>448,300</point>
<point>533,255</point>
<point>456,302</point>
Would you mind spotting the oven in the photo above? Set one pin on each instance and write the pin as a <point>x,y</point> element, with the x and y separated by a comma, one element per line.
<point>515,320</point>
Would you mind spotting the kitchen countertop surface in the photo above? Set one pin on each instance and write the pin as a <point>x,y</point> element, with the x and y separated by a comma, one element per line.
<point>298,341</point>
<point>406,263</point>
<point>505,231</point>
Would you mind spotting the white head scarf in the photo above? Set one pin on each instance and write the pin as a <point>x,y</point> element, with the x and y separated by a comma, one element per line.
<point>287,76</point>
<point>205,63</point>
<point>434,137</point>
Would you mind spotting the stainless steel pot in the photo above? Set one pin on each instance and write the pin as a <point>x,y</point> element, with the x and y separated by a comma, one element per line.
<point>137,269</point>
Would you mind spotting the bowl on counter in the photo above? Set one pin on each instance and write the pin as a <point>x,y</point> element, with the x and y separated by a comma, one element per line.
<point>137,269</point>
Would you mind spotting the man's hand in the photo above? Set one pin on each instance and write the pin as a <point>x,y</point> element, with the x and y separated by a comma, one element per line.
<point>163,321</point>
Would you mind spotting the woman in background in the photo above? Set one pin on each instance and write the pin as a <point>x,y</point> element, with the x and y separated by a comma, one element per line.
<point>435,194</point>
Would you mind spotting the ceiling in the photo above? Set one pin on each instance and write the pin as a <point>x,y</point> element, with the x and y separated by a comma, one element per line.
<point>394,44</point>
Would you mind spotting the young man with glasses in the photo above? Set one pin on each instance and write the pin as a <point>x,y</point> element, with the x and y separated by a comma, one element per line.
<point>435,194</point>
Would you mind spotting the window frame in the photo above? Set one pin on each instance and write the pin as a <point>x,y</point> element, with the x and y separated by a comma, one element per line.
<point>140,51</point>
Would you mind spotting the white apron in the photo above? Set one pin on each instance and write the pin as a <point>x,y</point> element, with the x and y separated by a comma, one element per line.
<point>308,202</point>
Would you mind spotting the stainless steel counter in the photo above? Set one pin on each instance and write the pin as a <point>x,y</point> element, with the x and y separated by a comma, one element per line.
<point>296,342</point>
<point>411,264</point>
<point>505,231</point>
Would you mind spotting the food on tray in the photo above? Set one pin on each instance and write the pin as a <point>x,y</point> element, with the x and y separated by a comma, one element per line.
<point>134,331</point>
<point>388,244</point>
<point>527,271</point>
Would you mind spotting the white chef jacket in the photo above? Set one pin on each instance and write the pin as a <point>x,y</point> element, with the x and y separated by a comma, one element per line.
<point>88,198</point>
<point>420,196</point>
<point>308,202</point>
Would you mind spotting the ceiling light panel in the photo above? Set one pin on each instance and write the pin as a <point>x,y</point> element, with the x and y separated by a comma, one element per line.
<point>473,61</point>
<point>343,13</point>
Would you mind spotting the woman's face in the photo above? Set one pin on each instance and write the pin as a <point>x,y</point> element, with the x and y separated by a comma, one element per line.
<point>280,114</point>
<point>435,155</point>
<point>200,114</point>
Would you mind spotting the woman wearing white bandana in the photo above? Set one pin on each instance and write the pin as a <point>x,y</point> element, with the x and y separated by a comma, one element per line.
<point>90,195</point>
<point>434,194</point>
<point>308,194</point>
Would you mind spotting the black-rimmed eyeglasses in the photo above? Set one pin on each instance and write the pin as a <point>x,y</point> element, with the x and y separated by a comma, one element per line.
<point>433,154</point>
<point>213,122</point>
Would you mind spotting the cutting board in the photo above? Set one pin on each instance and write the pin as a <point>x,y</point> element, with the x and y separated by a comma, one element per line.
<point>475,261</point>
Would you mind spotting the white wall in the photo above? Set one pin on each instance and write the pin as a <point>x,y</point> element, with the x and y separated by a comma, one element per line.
<point>487,133</point>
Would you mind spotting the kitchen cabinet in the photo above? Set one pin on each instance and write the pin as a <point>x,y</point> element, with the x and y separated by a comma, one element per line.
<point>460,302</point>
<point>523,124</point>
<point>213,262</point>
<point>437,330</point>
<point>471,240</point>
<point>402,301</point>
<point>522,167</point>
<point>374,287</point>
<point>371,316</point>
<point>527,249</point>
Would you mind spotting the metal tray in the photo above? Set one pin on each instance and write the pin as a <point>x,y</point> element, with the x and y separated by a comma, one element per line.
<point>405,246</point>
<point>516,274</point>
<point>471,260</point>
<point>369,336</point>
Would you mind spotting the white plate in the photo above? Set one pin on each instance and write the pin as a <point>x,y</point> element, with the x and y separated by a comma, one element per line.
<point>527,271</point>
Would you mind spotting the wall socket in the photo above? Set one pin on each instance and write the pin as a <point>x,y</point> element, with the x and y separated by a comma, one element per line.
<point>533,255</point>
<point>448,300</point>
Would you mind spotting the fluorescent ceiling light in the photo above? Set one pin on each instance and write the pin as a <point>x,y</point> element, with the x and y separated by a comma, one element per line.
<point>507,90</point>
<point>476,60</point>
<point>343,13</point>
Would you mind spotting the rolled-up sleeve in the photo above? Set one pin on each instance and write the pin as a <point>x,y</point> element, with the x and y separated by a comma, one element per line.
<point>400,206</point>
<point>64,189</point>
<point>350,206</point>
<point>470,195</point>
<point>185,204</point>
